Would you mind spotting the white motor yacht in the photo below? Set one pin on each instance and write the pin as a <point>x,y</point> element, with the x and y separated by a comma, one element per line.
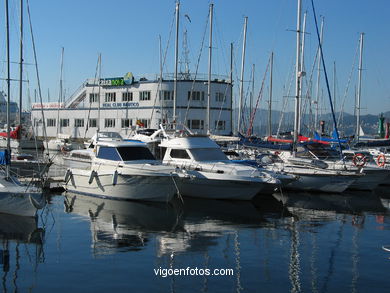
<point>211,174</point>
<point>124,170</point>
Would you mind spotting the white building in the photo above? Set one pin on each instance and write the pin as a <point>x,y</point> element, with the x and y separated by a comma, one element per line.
<point>126,104</point>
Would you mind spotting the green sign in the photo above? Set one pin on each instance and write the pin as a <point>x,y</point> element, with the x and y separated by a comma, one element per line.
<point>112,81</point>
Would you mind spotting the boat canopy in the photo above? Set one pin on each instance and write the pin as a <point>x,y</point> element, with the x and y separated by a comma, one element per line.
<point>5,157</point>
<point>190,142</point>
<point>124,152</point>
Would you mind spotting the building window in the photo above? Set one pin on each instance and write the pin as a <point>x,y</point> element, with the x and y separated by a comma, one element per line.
<point>79,123</point>
<point>196,96</point>
<point>195,124</point>
<point>109,123</point>
<point>126,123</point>
<point>167,95</point>
<point>110,97</point>
<point>144,96</point>
<point>51,123</point>
<point>220,125</point>
<point>220,97</point>
<point>93,98</point>
<point>127,96</point>
<point>92,122</point>
<point>64,122</point>
<point>143,123</point>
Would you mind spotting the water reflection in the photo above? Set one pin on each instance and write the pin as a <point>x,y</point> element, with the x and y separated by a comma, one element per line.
<point>312,210</point>
<point>122,225</point>
<point>18,232</point>
<point>325,206</point>
<point>289,241</point>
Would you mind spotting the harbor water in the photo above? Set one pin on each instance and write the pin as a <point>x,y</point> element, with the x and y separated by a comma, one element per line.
<point>289,242</point>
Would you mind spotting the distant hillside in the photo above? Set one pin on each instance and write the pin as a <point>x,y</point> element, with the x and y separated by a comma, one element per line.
<point>347,126</point>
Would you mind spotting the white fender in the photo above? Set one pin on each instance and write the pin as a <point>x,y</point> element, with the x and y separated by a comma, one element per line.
<point>114,177</point>
<point>68,175</point>
<point>93,174</point>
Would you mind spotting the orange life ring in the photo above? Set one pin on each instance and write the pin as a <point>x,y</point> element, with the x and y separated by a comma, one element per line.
<point>359,160</point>
<point>381,160</point>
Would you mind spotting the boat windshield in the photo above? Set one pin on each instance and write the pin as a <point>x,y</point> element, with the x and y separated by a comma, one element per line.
<point>208,154</point>
<point>112,135</point>
<point>135,153</point>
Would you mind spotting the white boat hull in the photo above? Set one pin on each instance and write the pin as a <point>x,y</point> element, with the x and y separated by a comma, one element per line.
<point>20,203</point>
<point>77,163</point>
<point>219,189</point>
<point>321,183</point>
<point>157,188</point>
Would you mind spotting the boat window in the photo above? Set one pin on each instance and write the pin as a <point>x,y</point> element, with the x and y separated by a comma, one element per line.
<point>109,135</point>
<point>108,153</point>
<point>135,153</point>
<point>81,156</point>
<point>208,154</point>
<point>179,154</point>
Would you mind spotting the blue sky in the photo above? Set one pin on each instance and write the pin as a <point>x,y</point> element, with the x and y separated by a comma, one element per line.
<point>126,34</point>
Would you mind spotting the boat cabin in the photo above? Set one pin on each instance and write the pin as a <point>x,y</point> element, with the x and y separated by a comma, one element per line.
<point>123,151</point>
<point>192,148</point>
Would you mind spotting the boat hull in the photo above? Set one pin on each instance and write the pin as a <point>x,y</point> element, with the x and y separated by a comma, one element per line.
<point>219,189</point>
<point>321,183</point>
<point>20,203</point>
<point>370,180</point>
<point>156,188</point>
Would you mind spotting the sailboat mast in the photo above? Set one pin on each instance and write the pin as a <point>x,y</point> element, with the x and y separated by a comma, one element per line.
<point>176,62</point>
<point>302,70</point>
<point>161,77</point>
<point>209,75</point>
<point>60,97</point>
<point>253,91</point>
<point>297,76</point>
<point>99,97</point>
<point>359,89</point>
<point>7,169</point>
<point>334,86</point>
<point>242,75</point>
<point>231,88</point>
<point>316,117</point>
<point>21,63</point>
<point>270,97</point>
